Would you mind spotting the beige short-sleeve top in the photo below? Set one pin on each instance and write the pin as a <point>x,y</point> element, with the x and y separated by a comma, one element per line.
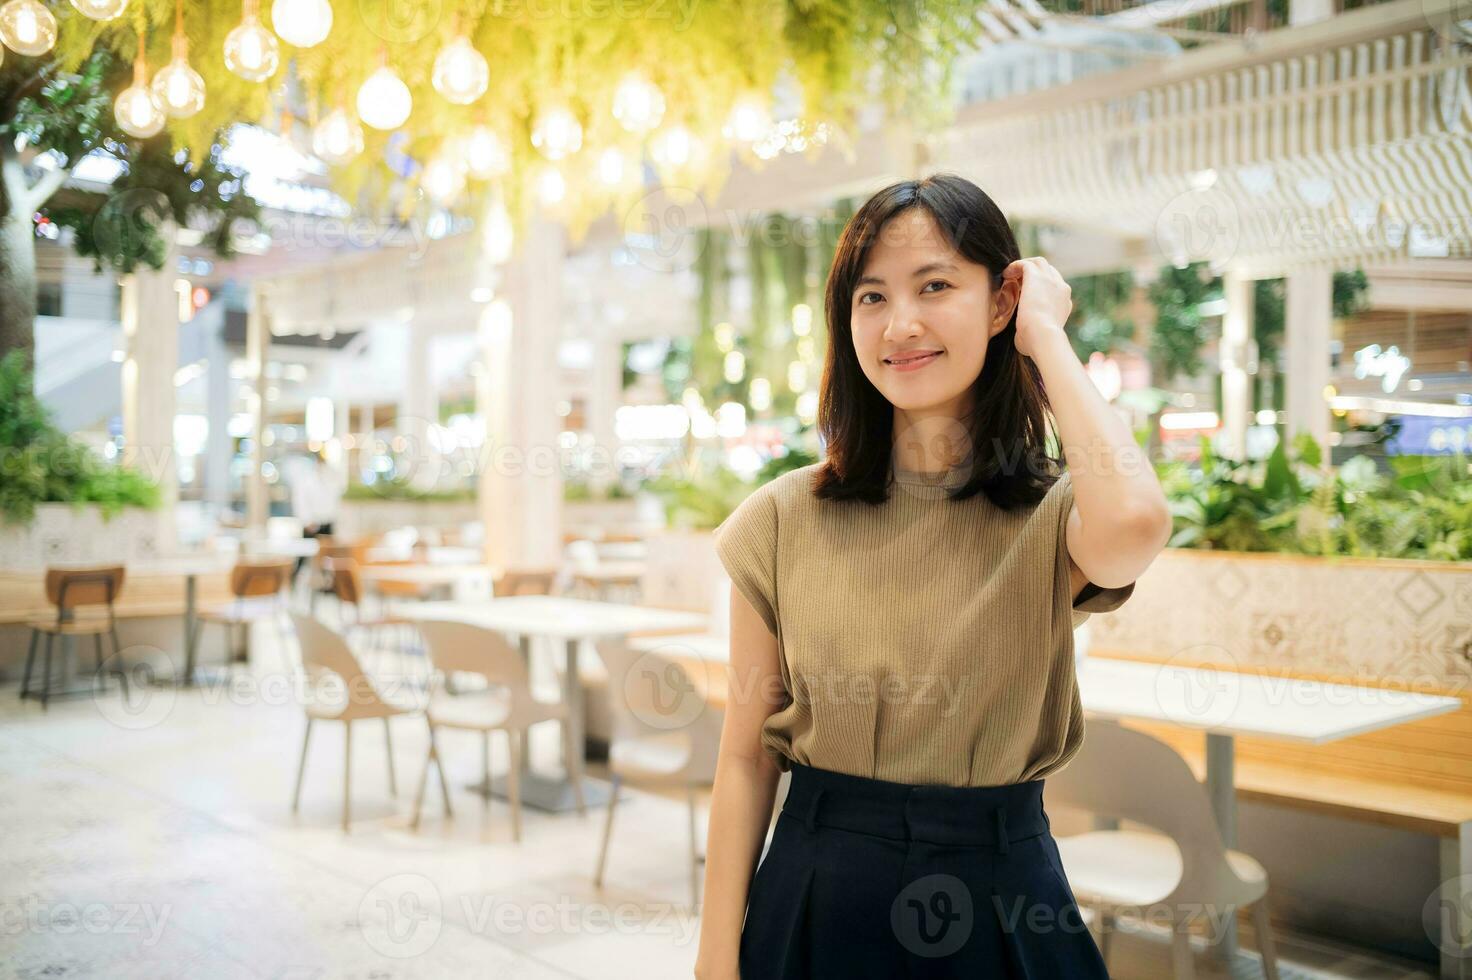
<point>923,640</point>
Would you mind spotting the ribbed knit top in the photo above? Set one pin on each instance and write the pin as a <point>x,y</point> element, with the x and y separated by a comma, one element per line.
<point>922,640</point>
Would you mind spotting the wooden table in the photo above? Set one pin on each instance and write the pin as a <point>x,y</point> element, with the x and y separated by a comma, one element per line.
<point>571,621</point>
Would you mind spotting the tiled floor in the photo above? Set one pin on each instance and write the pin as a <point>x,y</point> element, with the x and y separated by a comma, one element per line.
<point>158,842</point>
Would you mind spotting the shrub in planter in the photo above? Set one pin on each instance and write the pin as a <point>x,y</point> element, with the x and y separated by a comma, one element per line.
<point>41,464</point>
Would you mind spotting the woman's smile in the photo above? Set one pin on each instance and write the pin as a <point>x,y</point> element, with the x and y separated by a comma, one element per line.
<point>913,360</point>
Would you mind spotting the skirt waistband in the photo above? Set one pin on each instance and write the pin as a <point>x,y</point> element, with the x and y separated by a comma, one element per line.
<point>971,816</point>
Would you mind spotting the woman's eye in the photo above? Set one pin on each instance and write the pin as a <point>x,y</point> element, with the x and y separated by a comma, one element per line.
<point>936,282</point>
<point>864,299</point>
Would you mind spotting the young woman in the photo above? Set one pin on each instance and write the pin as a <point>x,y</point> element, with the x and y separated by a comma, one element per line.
<point>902,617</point>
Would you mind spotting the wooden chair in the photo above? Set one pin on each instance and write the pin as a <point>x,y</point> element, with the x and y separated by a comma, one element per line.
<point>347,586</point>
<point>257,587</point>
<point>526,581</point>
<point>72,591</point>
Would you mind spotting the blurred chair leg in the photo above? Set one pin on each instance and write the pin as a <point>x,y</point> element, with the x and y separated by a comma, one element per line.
<point>46,680</point>
<point>1265,947</point>
<point>485,769</point>
<point>439,765</point>
<point>25,683</point>
<point>1106,930</point>
<point>569,748</point>
<point>121,669</point>
<point>513,781</point>
<point>388,745</point>
<point>301,768</point>
<point>1183,967</point>
<point>607,833</point>
<point>347,774</point>
<point>423,784</point>
<point>694,852</point>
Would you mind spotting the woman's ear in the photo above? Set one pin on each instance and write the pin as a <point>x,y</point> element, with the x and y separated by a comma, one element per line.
<point>1003,305</point>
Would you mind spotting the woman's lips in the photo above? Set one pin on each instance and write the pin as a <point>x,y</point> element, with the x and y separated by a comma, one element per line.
<point>914,363</point>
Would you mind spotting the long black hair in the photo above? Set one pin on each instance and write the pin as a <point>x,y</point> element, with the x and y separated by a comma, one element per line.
<point>1008,423</point>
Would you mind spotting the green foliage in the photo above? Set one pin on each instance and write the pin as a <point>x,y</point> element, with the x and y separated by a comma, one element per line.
<point>1098,321</point>
<point>795,459</point>
<point>1180,331</point>
<point>1291,503</point>
<point>699,502</point>
<point>400,488</point>
<point>41,464</point>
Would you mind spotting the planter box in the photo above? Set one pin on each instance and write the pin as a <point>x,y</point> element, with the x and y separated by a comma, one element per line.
<point>64,533</point>
<point>365,517</point>
<point>1372,619</point>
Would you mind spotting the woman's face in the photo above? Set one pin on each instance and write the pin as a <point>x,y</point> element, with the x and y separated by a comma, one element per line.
<point>921,316</point>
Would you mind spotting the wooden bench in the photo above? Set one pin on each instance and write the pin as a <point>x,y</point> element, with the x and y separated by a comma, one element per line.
<point>1415,777</point>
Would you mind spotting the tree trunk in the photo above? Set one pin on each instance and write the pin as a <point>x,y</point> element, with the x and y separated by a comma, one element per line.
<point>17,285</point>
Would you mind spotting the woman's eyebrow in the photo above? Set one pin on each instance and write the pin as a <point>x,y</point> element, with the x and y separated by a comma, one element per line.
<point>924,270</point>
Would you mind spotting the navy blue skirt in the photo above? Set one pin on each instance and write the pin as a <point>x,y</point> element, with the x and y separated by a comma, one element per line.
<point>867,878</point>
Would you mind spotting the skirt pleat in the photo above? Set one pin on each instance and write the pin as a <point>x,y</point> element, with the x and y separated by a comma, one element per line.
<point>851,888</point>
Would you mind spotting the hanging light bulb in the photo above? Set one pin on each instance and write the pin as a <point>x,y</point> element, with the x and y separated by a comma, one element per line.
<point>749,119</point>
<point>338,137</point>
<point>26,27</point>
<point>251,51</point>
<point>675,146</point>
<point>612,168</point>
<point>302,23</point>
<point>460,72</point>
<point>485,155</point>
<point>638,104</point>
<point>443,179</point>
<point>499,237</point>
<point>138,111</point>
<point>101,9</point>
<point>384,101</point>
<point>557,133</point>
<point>551,186</point>
<point>178,87</point>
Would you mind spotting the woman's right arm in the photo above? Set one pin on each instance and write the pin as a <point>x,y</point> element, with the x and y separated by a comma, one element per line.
<point>745,787</point>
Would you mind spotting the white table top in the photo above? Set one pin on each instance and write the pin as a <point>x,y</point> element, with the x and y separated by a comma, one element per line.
<point>283,547</point>
<point>612,571</point>
<point>1228,703</point>
<point>433,555</point>
<point>555,616</point>
<point>428,574</point>
<point>186,566</point>
<point>706,646</point>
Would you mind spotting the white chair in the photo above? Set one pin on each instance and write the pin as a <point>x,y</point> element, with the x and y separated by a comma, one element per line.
<point>339,690</point>
<point>661,739</point>
<point>1133,776</point>
<point>506,704</point>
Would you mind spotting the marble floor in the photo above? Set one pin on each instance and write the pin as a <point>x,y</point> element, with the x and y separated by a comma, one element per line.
<point>155,840</point>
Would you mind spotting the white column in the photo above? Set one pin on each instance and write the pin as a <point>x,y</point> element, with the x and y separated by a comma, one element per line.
<point>1234,355</point>
<point>257,344</point>
<point>1307,331</point>
<point>150,321</point>
<point>218,448</point>
<point>1302,12</point>
<point>605,395</point>
<point>520,473</point>
<point>418,403</point>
